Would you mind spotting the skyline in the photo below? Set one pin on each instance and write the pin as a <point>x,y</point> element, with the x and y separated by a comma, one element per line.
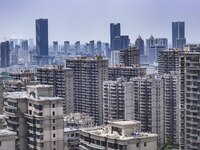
<point>75,20</point>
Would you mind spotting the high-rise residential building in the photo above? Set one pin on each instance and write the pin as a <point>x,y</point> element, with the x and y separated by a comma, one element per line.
<point>148,99</point>
<point>5,54</point>
<point>55,47</point>
<point>126,72</point>
<point>154,45</point>
<point>99,47</point>
<point>168,60</point>
<point>77,48</point>
<point>115,31</point>
<point>139,43</point>
<point>67,47</point>
<point>107,51</point>
<point>62,81</point>
<point>31,44</point>
<point>178,35</point>
<point>89,75</point>
<point>172,107</point>
<point>36,116</point>
<point>117,100</point>
<point>115,58</point>
<point>122,135</point>
<point>190,118</point>
<point>18,80</point>
<point>91,47</point>
<point>130,56</point>
<point>42,37</point>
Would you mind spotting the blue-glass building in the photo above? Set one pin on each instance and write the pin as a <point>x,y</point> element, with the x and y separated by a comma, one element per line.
<point>42,37</point>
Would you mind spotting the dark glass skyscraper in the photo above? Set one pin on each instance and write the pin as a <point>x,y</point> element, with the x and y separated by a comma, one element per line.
<point>5,54</point>
<point>42,37</point>
<point>115,31</point>
<point>178,35</point>
<point>139,42</point>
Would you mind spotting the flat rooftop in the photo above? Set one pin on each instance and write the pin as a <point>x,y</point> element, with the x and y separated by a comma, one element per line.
<point>5,132</point>
<point>124,123</point>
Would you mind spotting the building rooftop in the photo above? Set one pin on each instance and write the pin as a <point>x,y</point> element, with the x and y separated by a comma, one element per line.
<point>5,132</point>
<point>125,123</point>
<point>40,86</point>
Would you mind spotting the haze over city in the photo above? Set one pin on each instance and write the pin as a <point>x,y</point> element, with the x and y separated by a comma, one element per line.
<point>85,20</point>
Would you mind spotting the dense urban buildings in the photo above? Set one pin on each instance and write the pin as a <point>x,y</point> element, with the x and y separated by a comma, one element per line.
<point>89,74</point>
<point>178,35</point>
<point>5,54</point>
<point>123,135</point>
<point>168,60</point>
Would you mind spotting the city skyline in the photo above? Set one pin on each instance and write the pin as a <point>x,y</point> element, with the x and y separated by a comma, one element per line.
<point>89,20</point>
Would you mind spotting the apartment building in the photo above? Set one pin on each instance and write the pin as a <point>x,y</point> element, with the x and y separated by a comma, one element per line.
<point>62,80</point>
<point>36,116</point>
<point>123,135</point>
<point>168,60</point>
<point>126,72</point>
<point>89,74</point>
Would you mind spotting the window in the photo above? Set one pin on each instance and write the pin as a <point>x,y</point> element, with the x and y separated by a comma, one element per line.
<point>54,135</point>
<point>53,105</point>
<point>54,127</point>
<point>0,143</point>
<point>54,142</point>
<point>53,113</point>
<point>30,104</point>
<point>145,144</point>
<point>54,121</point>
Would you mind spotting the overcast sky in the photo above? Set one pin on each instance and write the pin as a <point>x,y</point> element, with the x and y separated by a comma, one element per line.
<point>87,20</point>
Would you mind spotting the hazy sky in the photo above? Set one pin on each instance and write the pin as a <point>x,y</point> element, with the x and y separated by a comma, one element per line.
<point>86,20</point>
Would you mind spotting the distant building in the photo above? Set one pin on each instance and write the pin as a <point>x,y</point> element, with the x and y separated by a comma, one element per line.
<point>115,31</point>
<point>154,46</point>
<point>5,54</point>
<point>77,48</point>
<point>130,56</point>
<point>126,72</point>
<point>99,47</point>
<point>89,74</point>
<point>55,48</point>
<point>42,37</point>
<point>115,58</point>
<point>139,42</point>
<point>168,60</point>
<point>91,47</point>
<point>178,35</point>
<point>24,44</point>
<point>67,47</point>
<point>7,139</point>
<point>122,135</point>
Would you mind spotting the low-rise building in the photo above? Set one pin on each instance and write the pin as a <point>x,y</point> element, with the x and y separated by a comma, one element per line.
<point>123,135</point>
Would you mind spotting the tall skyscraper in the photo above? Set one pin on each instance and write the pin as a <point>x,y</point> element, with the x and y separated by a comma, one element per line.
<point>178,35</point>
<point>115,31</point>
<point>139,42</point>
<point>42,37</point>
<point>55,47</point>
<point>89,75</point>
<point>24,44</point>
<point>5,54</point>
